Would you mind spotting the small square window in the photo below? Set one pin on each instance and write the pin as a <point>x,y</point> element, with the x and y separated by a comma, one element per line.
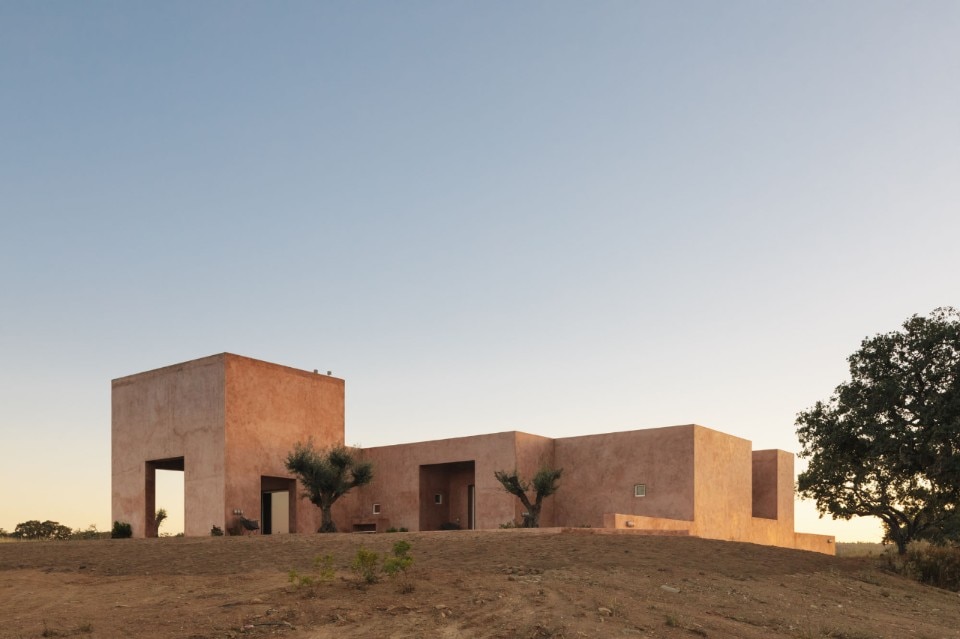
<point>639,490</point>
<point>438,499</point>
<point>376,509</point>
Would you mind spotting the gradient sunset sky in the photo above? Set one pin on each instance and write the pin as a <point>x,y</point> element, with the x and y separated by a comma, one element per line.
<point>555,217</point>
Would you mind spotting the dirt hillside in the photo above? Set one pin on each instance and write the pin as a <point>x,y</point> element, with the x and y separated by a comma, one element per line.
<point>461,584</point>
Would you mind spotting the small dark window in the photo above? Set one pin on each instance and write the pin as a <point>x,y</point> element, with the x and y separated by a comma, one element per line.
<point>639,490</point>
<point>438,499</point>
<point>376,509</point>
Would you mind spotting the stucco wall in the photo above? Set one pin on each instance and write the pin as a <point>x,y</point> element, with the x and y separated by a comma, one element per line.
<point>724,485</point>
<point>773,495</point>
<point>638,523</point>
<point>176,411</point>
<point>816,543</point>
<point>268,409</point>
<point>600,472</point>
<point>765,502</point>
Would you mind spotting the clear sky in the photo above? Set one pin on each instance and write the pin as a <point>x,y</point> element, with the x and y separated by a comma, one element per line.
<point>562,218</point>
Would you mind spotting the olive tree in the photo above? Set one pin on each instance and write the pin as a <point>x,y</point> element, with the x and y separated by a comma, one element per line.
<point>327,476</point>
<point>159,517</point>
<point>887,442</point>
<point>544,485</point>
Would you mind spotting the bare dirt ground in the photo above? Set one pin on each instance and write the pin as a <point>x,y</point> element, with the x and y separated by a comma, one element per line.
<point>462,584</point>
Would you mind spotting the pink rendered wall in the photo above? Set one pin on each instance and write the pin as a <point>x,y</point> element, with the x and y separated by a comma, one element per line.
<point>724,485</point>
<point>175,411</point>
<point>433,481</point>
<point>456,495</point>
<point>773,494</point>
<point>396,483</point>
<point>599,473</point>
<point>268,409</point>
<point>815,543</point>
<point>765,502</point>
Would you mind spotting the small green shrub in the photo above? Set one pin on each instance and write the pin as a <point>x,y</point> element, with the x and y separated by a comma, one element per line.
<point>216,531</point>
<point>121,530</point>
<point>298,580</point>
<point>400,561</point>
<point>365,565</point>
<point>324,566</point>
<point>508,525</point>
<point>324,572</point>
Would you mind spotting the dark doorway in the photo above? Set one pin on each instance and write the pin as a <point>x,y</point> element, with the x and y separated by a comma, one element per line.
<point>278,506</point>
<point>266,513</point>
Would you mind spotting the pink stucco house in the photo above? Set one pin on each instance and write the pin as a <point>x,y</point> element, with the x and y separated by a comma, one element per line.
<point>228,423</point>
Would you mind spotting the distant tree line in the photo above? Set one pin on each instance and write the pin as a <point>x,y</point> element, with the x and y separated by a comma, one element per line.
<point>49,530</point>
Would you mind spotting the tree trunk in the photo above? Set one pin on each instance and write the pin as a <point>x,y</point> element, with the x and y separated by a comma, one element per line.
<point>901,545</point>
<point>532,519</point>
<point>327,525</point>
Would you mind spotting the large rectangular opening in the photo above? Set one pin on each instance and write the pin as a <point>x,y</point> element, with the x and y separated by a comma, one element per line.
<point>447,500</point>
<point>164,489</point>
<point>278,506</point>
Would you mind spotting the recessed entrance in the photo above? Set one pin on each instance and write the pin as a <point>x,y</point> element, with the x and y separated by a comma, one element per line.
<point>447,496</point>
<point>278,508</point>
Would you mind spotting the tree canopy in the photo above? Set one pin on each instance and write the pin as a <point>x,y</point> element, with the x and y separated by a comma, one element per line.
<point>544,485</point>
<point>159,517</point>
<point>327,476</point>
<point>887,442</point>
<point>35,529</point>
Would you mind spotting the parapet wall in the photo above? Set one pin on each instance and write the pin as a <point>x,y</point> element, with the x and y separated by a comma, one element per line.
<point>761,531</point>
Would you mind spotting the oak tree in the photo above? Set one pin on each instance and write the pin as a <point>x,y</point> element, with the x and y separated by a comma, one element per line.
<point>887,442</point>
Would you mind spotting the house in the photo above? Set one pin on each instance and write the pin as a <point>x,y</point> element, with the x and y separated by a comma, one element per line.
<point>228,422</point>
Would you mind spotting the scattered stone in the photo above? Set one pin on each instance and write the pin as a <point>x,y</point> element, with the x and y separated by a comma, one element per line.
<point>606,612</point>
<point>667,588</point>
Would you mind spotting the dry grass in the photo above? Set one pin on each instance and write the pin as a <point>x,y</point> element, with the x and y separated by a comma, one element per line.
<point>863,549</point>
